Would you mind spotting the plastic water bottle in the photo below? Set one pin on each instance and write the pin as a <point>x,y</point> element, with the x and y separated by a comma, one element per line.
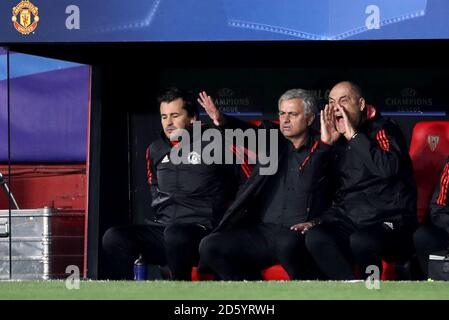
<point>140,269</point>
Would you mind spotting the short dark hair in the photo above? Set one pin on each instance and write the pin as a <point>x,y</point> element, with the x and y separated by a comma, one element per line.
<point>171,94</point>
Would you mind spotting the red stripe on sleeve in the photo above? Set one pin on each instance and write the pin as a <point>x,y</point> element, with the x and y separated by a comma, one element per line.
<point>379,140</point>
<point>443,191</point>
<point>387,142</point>
<point>149,173</point>
<point>443,176</point>
<point>444,182</point>
<point>382,140</point>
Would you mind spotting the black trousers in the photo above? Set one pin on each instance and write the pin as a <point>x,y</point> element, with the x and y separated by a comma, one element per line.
<point>242,253</point>
<point>175,245</point>
<point>429,239</point>
<point>343,252</point>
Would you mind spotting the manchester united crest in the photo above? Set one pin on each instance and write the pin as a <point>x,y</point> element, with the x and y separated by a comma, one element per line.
<point>25,17</point>
<point>194,158</point>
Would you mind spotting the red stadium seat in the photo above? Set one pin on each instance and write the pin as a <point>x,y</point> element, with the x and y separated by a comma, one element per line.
<point>428,149</point>
<point>197,276</point>
<point>276,272</point>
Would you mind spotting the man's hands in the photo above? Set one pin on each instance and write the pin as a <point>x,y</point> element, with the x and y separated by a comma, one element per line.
<point>329,133</point>
<point>209,106</point>
<point>334,123</point>
<point>304,227</point>
<point>349,128</point>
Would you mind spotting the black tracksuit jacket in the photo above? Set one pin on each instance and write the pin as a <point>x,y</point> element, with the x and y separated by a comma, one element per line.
<point>313,171</point>
<point>374,177</point>
<point>189,193</point>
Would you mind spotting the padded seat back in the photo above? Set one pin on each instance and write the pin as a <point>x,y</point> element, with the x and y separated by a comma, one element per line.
<point>429,148</point>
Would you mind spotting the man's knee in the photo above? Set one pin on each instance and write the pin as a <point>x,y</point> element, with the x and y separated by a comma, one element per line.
<point>316,238</point>
<point>290,242</point>
<point>422,237</point>
<point>176,236</point>
<point>217,248</point>
<point>211,247</point>
<point>183,237</point>
<point>364,243</point>
<point>112,238</point>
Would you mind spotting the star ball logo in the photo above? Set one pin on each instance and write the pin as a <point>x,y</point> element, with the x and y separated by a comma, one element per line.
<point>25,17</point>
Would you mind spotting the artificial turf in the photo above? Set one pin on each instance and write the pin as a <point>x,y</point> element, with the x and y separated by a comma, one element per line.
<point>214,290</point>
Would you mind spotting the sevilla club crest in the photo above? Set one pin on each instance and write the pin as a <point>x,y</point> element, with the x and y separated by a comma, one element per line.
<point>433,142</point>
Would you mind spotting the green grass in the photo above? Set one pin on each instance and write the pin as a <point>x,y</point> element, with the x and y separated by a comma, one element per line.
<point>270,290</point>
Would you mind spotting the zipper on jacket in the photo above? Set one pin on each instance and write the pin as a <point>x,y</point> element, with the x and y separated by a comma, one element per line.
<point>176,188</point>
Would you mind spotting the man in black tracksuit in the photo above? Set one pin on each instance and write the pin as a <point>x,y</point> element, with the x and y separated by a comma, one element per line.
<point>189,199</point>
<point>258,229</point>
<point>373,215</point>
<point>434,235</point>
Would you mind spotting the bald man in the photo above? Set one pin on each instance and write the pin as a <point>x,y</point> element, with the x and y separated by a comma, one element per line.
<point>373,215</point>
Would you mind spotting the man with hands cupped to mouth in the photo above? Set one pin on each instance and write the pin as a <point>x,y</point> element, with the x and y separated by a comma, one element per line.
<point>373,211</point>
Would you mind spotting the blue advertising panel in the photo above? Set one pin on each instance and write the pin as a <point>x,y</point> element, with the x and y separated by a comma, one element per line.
<point>221,20</point>
<point>48,113</point>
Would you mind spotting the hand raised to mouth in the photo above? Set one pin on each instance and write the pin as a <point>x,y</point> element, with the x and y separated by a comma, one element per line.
<point>349,130</point>
<point>329,132</point>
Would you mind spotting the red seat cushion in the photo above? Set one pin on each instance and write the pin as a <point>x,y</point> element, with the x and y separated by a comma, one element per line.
<point>388,272</point>
<point>428,149</point>
<point>276,272</point>
<point>197,276</point>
